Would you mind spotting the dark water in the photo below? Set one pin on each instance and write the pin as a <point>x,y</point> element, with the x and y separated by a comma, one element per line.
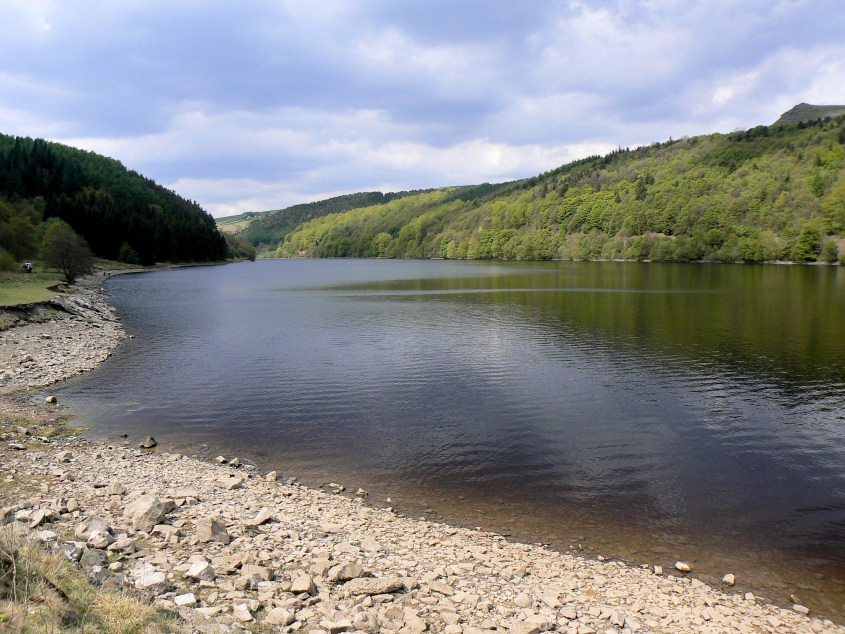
<point>648,411</point>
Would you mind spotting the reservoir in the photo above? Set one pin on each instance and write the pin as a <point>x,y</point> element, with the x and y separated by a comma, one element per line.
<point>650,412</point>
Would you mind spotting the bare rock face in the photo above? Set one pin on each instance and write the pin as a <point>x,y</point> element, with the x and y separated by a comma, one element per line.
<point>211,529</point>
<point>145,513</point>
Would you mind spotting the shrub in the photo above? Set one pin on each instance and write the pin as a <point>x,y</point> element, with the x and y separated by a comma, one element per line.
<point>7,261</point>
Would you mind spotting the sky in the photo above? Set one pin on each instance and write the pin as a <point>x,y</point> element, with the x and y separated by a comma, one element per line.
<point>255,105</point>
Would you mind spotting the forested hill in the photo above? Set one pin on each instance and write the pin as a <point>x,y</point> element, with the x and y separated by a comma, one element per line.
<point>100,199</point>
<point>271,226</point>
<point>768,193</point>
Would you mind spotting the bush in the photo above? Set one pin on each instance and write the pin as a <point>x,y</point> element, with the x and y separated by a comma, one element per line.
<point>7,261</point>
<point>830,251</point>
<point>128,255</point>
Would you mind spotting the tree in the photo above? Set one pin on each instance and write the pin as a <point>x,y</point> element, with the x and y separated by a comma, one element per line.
<point>63,249</point>
<point>128,255</point>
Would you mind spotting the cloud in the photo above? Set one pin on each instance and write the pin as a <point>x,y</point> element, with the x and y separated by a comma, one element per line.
<point>298,101</point>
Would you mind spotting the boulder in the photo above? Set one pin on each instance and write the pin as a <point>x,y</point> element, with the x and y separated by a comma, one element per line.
<point>303,583</point>
<point>280,617</point>
<point>116,488</point>
<point>148,443</point>
<point>154,582</point>
<point>211,529</point>
<point>681,566</point>
<point>201,571</point>
<point>145,513</point>
<point>385,585</point>
<point>345,572</point>
<point>263,516</point>
<point>185,600</point>
<point>100,538</point>
<point>51,400</point>
<point>93,523</point>
<point>241,613</point>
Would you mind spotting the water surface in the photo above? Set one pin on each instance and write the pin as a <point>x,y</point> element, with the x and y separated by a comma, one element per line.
<point>645,411</point>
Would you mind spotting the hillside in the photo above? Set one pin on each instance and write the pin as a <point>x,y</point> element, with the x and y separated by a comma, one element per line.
<point>768,193</point>
<point>805,112</point>
<point>270,227</point>
<point>109,205</point>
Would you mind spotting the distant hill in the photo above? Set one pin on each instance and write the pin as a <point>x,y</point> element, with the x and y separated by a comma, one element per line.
<point>269,227</point>
<point>768,193</point>
<point>233,224</point>
<point>100,199</point>
<point>804,112</point>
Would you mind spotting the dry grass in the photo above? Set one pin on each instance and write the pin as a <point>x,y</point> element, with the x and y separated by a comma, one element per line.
<point>40,591</point>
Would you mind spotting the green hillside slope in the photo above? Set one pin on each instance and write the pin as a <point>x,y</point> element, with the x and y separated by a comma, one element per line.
<point>768,193</point>
<point>109,205</point>
<point>269,227</point>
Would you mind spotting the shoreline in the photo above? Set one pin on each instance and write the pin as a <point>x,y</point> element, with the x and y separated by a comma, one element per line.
<point>440,577</point>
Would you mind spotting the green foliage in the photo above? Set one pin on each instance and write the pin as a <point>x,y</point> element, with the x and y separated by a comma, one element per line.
<point>238,248</point>
<point>128,255</point>
<point>768,193</point>
<point>19,222</point>
<point>103,201</point>
<point>830,251</point>
<point>67,251</point>
<point>7,261</point>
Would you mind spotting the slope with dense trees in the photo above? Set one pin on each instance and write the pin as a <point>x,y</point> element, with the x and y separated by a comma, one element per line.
<point>116,210</point>
<point>764,194</point>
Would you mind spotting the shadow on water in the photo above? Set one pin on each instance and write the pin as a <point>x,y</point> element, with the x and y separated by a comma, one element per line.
<point>650,412</point>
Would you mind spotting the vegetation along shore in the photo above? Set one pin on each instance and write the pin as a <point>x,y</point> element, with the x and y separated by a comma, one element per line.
<point>119,538</point>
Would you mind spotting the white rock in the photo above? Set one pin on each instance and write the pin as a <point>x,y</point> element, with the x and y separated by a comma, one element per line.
<point>682,566</point>
<point>155,582</point>
<point>345,572</point>
<point>145,513</point>
<point>211,529</point>
<point>201,571</point>
<point>100,538</point>
<point>183,600</point>
<point>241,613</point>
<point>303,583</point>
<point>262,517</point>
<point>729,579</point>
<point>384,585</point>
<point>279,616</point>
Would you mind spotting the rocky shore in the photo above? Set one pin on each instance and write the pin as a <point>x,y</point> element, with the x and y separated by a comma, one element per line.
<point>58,339</point>
<point>228,548</point>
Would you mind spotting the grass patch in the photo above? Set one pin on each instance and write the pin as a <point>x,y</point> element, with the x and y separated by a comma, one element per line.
<point>27,288</point>
<point>40,591</point>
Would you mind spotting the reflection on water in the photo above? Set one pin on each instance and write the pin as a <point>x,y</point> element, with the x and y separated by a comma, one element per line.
<point>649,410</point>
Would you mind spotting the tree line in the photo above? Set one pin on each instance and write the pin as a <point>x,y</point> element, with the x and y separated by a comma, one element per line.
<point>119,213</point>
<point>764,194</point>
